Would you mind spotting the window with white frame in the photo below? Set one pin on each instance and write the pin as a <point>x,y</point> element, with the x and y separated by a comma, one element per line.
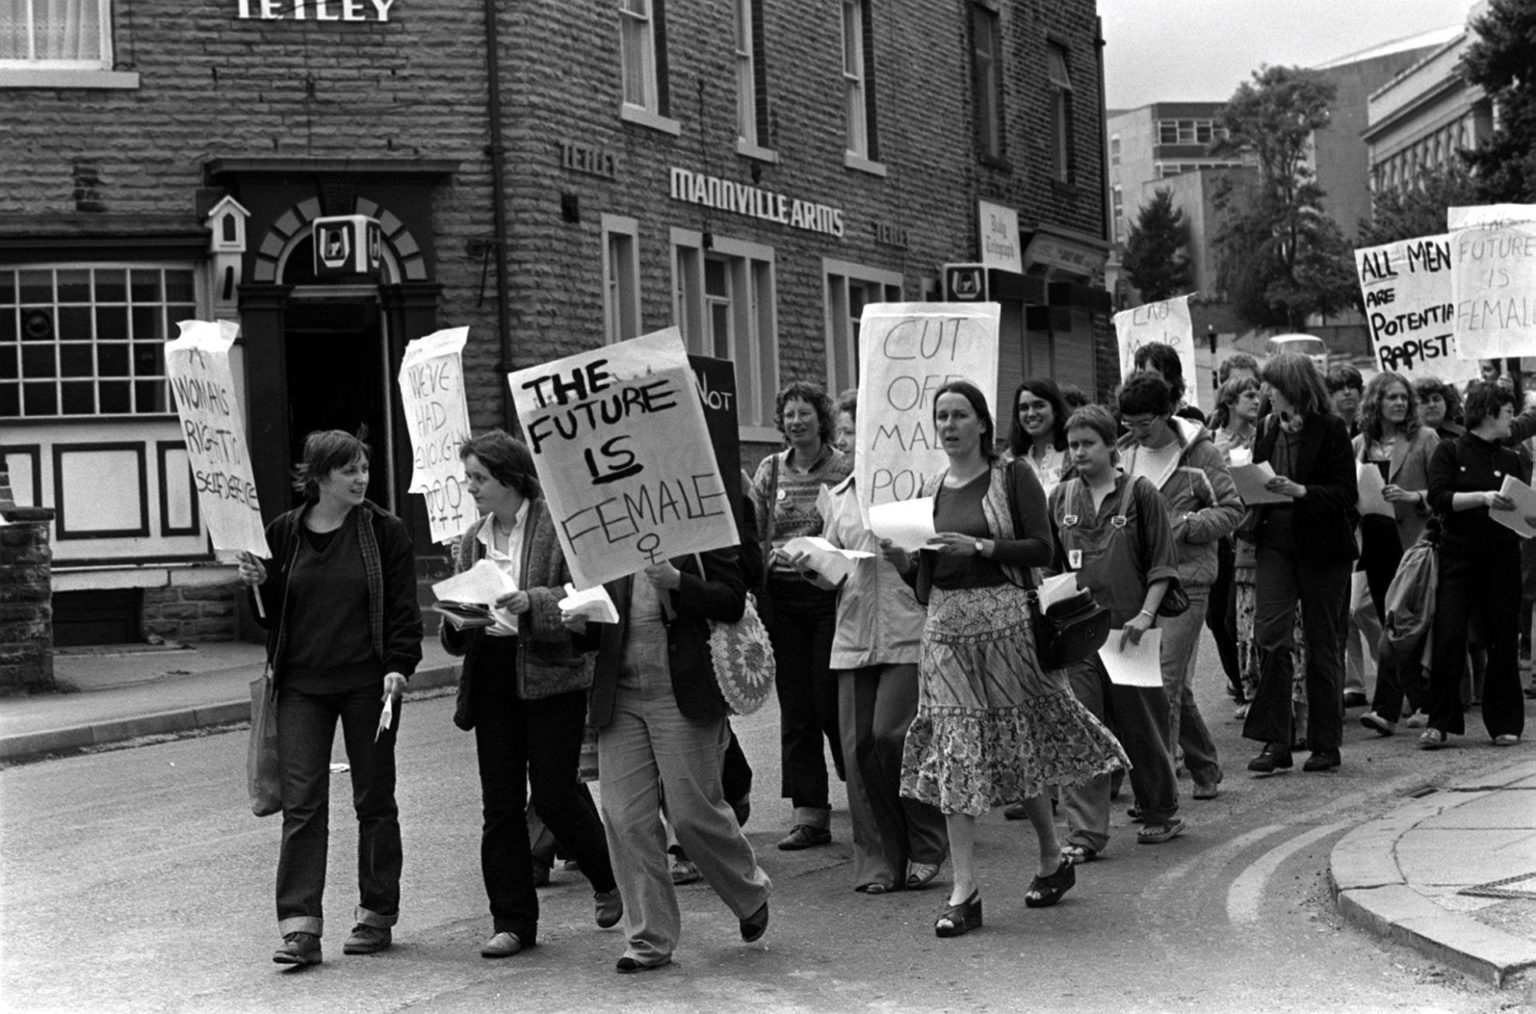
<point>1061,112</point>
<point>642,54</point>
<point>858,90</point>
<point>724,304</point>
<point>1117,209</point>
<point>986,80</point>
<point>56,34</point>
<point>621,279</point>
<point>849,288</point>
<point>1186,131</point>
<point>1114,149</point>
<point>86,339</point>
<point>751,104</point>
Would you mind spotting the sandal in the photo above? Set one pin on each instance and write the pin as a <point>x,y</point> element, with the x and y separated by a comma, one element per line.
<point>958,920</point>
<point>1431,739</point>
<point>1156,834</point>
<point>872,888</point>
<point>1045,891</point>
<point>920,875</point>
<point>1078,854</point>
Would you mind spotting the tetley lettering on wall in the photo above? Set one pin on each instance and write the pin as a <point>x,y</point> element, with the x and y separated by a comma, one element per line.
<point>313,10</point>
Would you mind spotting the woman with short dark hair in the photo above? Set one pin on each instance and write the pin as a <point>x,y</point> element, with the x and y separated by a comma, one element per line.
<point>802,618</point>
<point>343,636</point>
<point>523,691</point>
<point>1479,570</point>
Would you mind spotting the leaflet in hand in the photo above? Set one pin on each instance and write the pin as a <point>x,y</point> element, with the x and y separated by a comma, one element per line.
<point>1139,664</point>
<point>482,584</point>
<point>594,604</point>
<point>907,523</point>
<point>1525,508</point>
<point>1055,589</point>
<point>463,615</point>
<point>829,561</point>
<point>1250,479</point>
<point>1371,485</point>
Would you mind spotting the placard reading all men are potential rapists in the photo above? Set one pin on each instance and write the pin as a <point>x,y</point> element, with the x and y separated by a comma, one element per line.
<point>622,450</point>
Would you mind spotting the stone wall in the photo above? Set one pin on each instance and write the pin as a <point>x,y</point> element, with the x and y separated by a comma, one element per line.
<point>191,612</point>
<point>26,606</point>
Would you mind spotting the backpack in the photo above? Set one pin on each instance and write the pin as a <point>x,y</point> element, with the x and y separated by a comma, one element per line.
<point>1409,611</point>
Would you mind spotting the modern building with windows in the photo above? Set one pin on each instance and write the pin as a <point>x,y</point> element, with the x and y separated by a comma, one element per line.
<point>754,172</point>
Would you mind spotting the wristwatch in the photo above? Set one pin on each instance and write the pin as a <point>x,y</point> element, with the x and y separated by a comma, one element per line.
<point>979,547</point>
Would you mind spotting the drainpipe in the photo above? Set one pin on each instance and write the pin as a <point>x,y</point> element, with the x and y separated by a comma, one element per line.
<point>498,152</point>
<point>1098,52</point>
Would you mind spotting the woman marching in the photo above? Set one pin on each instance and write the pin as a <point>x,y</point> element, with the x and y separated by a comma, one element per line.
<point>1038,435</point>
<point>523,691</point>
<point>992,726</point>
<point>344,635</point>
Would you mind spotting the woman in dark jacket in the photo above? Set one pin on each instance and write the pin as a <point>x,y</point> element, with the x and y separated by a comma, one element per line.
<point>343,636</point>
<point>523,692</point>
<point>662,735</point>
<point>1306,550</point>
<point>1479,569</point>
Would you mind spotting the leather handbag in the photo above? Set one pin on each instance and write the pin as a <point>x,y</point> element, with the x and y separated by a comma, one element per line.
<point>1071,630</point>
<point>263,772</point>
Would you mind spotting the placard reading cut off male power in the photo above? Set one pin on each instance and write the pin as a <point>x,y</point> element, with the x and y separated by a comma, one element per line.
<point>197,364</point>
<point>908,351</point>
<point>1493,279</point>
<point>1407,291</point>
<point>1165,321</point>
<point>622,450</point>
<point>437,417</point>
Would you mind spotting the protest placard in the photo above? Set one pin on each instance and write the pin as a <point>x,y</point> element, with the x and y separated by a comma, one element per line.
<point>1493,279</point>
<point>622,450</point>
<point>437,418</point>
<point>715,380</point>
<point>1409,309</point>
<point>213,425</point>
<point>908,351</point>
<point>1166,321</point>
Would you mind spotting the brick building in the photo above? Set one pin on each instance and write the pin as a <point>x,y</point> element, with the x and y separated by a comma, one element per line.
<point>752,170</point>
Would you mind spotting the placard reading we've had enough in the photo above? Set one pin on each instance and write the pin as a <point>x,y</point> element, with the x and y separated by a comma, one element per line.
<point>622,450</point>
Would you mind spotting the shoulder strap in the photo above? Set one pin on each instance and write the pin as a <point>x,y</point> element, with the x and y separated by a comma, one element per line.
<point>773,499</point>
<point>1125,496</point>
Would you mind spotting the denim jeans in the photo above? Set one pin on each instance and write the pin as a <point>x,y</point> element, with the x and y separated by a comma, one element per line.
<point>804,621</point>
<point>877,704</point>
<point>535,742</point>
<point>1321,590</point>
<point>651,758</point>
<point>306,727</point>
<point>1181,644</point>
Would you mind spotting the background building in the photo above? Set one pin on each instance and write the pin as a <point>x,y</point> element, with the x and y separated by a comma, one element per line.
<point>753,171</point>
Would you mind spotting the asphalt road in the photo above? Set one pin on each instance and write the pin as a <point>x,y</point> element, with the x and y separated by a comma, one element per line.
<point>137,880</point>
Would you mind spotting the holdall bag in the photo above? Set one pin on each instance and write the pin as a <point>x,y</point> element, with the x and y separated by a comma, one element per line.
<point>1069,631</point>
<point>263,772</point>
<point>742,657</point>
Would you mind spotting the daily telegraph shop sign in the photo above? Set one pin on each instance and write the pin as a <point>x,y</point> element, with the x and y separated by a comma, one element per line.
<point>313,10</point>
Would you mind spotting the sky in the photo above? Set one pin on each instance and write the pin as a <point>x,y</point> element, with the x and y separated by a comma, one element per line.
<point>1201,50</point>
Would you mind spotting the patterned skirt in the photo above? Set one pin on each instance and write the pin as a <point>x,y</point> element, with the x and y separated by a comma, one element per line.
<point>992,727</point>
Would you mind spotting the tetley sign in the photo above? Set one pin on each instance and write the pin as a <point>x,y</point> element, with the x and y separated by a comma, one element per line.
<point>313,10</point>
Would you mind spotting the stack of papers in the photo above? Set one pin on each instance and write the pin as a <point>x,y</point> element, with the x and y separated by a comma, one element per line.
<point>1525,508</point>
<point>829,561</point>
<point>594,604</point>
<point>466,599</point>
<point>1250,479</point>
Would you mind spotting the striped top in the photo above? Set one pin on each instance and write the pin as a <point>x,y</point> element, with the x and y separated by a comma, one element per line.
<point>794,505</point>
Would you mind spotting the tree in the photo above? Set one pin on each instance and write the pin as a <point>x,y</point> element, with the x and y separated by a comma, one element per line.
<point>1155,258</point>
<point>1281,258</point>
<point>1502,61</point>
<point>1418,209</point>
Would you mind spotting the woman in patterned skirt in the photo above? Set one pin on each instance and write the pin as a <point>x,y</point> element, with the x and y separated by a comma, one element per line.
<point>992,726</point>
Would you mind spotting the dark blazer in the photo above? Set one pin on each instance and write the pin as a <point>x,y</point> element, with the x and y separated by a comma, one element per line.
<point>1325,464</point>
<point>719,595</point>
<point>394,615</point>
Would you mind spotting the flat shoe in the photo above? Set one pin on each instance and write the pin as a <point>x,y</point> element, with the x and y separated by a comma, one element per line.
<point>1206,791</point>
<point>1506,739</point>
<point>1431,739</point>
<point>804,836</point>
<point>875,888</point>
<point>920,875</point>
<point>958,920</point>
<point>365,939</point>
<point>1156,834</point>
<point>1015,811</point>
<point>1322,760</point>
<point>629,966</point>
<point>502,945</point>
<point>298,948</point>
<point>1045,891</point>
<point>1380,726</point>
<point>610,908</point>
<point>755,925</point>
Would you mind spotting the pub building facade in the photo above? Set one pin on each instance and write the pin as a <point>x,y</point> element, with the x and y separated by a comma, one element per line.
<point>556,177</point>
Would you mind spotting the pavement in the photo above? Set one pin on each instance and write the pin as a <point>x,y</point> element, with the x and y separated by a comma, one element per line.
<point>1450,872</point>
